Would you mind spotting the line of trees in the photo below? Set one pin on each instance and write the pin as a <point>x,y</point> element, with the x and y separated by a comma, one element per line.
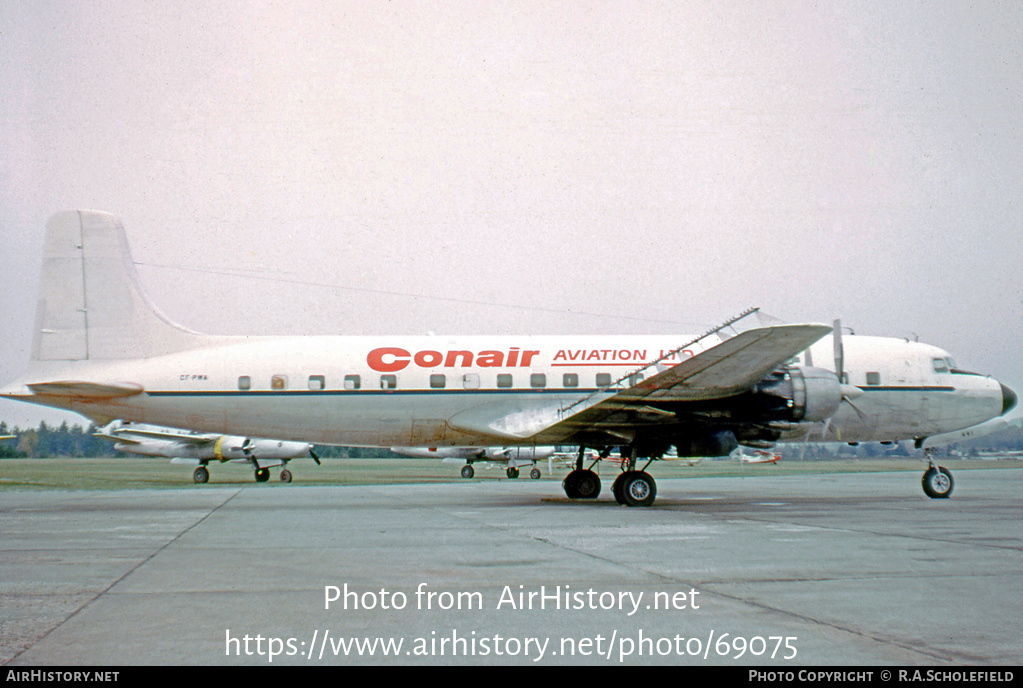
<point>76,441</point>
<point>46,440</point>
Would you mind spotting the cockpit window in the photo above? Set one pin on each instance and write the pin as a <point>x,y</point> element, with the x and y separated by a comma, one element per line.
<point>940,365</point>
<point>951,363</point>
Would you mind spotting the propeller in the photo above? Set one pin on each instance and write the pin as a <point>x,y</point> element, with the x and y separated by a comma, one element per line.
<point>314,456</point>
<point>849,392</point>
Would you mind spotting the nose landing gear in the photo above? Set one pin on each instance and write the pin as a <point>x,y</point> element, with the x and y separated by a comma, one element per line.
<point>937,480</point>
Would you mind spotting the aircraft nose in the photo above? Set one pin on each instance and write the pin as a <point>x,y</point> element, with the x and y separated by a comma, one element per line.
<point>1008,399</point>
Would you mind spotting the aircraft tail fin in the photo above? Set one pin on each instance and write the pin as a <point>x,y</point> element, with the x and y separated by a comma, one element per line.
<point>91,302</point>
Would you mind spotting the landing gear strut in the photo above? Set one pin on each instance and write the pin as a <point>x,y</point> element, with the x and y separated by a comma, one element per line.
<point>937,480</point>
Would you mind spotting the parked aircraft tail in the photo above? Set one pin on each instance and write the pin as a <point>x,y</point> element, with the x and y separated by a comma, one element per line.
<point>91,302</point>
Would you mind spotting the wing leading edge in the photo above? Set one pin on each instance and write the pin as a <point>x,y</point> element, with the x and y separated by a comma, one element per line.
<point>730,367</point>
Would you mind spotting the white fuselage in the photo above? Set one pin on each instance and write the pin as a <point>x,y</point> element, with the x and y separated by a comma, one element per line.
<point>412,391</point>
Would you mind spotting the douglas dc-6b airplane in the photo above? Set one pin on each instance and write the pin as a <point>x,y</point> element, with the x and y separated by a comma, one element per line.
<point>101,349</point>
<point>198,449</point>
<point>513,457</point>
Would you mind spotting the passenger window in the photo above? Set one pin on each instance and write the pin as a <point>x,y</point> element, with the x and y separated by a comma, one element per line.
<point>438,381</point>
<point>538,380</point>
<point>388,382</point>
<point>504,380</point>
<point>603,379</point>
<point>471,381</point>
<point>279,382</point>
<point>244,382</point>
<point>570,380</point>
<point>873,378</point>
<point>353,382</point>
<point>317,382</point>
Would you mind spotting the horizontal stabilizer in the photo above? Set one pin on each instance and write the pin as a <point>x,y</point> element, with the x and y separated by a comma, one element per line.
<point>85,390</point>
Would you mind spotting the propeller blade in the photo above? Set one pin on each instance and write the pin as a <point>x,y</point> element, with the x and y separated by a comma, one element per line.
<point>861,414</point>
<point>315,457</point>
<point>839,350</point>
<point>806,443</point>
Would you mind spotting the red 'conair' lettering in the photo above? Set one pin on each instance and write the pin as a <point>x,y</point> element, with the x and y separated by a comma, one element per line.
<point>388,359</point>
<point>391,359</point>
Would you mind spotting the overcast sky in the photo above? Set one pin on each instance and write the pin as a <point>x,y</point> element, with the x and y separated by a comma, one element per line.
<point>527,167</point>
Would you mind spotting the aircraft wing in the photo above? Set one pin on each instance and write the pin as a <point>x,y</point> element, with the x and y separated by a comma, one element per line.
<point>123,435</point>
<point>728,368</point>
<point>116,438</point>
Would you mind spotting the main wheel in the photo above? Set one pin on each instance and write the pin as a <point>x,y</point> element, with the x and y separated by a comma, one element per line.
<point>468,471</point>
<point>512,473</point>
<point>938,483</point>
<point>588,485</point>
<point>638,489</point>
<point>569,485</point>
<point>262,475</point>
<point>582,484</point>
<point>200,475</point>
<point>616,488</point>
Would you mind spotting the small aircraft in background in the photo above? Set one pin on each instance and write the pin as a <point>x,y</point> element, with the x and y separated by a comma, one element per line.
<point>759,456</point>
<point>512,457</point>
<point>198,449</point>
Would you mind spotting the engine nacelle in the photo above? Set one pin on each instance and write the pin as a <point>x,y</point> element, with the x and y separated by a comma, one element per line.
<point>816,394</point>
<point>721,443</point>
<point>795,395</point>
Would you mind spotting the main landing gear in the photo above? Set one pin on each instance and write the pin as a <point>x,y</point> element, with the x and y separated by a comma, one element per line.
<point>512,472</point>
<point>201,475</point>
<point>631,487</point>
<point>937,480</point>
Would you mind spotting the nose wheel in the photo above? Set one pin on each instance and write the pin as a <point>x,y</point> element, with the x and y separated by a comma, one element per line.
<point>937,480</point>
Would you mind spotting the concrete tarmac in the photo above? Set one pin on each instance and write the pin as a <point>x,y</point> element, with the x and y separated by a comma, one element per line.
<point>838,569</point>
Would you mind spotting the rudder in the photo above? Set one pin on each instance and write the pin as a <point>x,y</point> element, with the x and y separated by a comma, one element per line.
<point>91,303</point>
